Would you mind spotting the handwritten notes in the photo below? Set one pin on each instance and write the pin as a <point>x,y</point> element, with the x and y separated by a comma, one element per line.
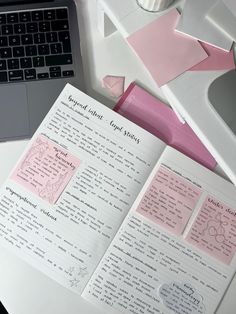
<point>182,298</point>
<point>214,230</point>
<point>46,169</point>
<point>169,200</point>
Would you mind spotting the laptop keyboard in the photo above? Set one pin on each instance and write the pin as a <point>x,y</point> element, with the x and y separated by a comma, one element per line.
<point>35,45</point>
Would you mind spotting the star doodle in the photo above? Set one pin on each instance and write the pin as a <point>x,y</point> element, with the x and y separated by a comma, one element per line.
<point>82,272</point>
<point>74,282</point>
<point>71,270</point>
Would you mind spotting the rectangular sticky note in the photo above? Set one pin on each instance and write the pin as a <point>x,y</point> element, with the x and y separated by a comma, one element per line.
<point>214,230</point>
<point>169,200</point>
<point>46,169</point>
<point>166,53</point>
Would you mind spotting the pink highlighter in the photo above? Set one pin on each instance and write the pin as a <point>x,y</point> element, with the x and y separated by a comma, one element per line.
<point>150,113</point>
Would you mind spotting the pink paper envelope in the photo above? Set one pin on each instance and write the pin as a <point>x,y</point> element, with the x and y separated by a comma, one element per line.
<point>218,59</point>
<point>165,52</point>
<point>156,117</point>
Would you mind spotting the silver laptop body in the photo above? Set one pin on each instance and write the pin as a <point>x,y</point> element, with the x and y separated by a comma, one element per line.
<point>36,61</point>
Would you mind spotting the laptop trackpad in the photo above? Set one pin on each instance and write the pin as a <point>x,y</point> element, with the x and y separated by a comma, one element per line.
<point>14,116</point>
<point>222,96</point>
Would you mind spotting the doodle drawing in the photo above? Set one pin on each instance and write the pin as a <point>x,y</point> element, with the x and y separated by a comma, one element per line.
<point>51,188</point>
<point>215,228</point>
<point>36,150</point>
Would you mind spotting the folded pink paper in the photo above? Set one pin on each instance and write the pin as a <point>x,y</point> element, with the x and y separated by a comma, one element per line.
<point>165,52</point>
<point>150,113</point>
<point>114,85</point>
<point>218,59</point>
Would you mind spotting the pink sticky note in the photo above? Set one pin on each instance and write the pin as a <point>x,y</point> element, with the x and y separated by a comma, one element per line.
<point>214,230</point>
<point>165,52</point>
<point>156,117</point>
<point>169,200</point>
<point>45,169</point>
<point>218,59</point>
<point>114,85</point>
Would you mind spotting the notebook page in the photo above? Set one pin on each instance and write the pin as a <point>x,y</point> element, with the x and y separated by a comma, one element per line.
<point>73,186</point>
<point>151,266</point>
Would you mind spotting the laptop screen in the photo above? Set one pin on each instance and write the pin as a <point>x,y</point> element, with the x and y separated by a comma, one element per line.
<point>13,2</point>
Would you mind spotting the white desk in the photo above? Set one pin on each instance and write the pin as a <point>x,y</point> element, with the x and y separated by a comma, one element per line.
<point>23,289</point>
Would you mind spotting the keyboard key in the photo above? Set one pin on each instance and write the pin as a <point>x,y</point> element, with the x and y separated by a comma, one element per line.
<point>3,65</point>
<point>13,64</point>
<point>3,41</point>
<point>24,16</point>
<point>66,47</point>
<point>43,49</point>
<point>44,26</point>
<point>16,75</point>
<point>55,74</point>
<point>37,15</point>
<point>30,74</point>
<point>55,48</point>
<point>3,19</point>
<point>59,25</point>
<point>38,61</point>
<point>19,28</point>
<point>51,37</point>
<point>12,18</point>
<point>43,75</point>
<point>49,14</point>
<point>64,37</point>
<point>3,76</point>
<point>7,30</point>
<point>14,40</point>
<point>5,53</point>
<point>32,27</point>
<point>31,50</point>
<point>58,59</point>
<point>39,38</point>
<point>25,63</point>
<point>61,14</point>
<point>68,73</point>
<point>18,51</point>
<point>55,69</point>
<point>27,39</point>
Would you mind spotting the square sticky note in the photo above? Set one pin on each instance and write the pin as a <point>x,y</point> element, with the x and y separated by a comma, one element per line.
<point>214,230</point>
<point>169,200</point>
<point>45,169</point>
<point>166,53</point>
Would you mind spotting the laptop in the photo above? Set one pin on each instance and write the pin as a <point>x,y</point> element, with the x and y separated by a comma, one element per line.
<point>39,54</point>
<point>2,309</point>
<point>222,96</point>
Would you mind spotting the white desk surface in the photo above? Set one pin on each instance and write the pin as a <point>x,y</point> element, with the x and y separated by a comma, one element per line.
<point>23,289</point>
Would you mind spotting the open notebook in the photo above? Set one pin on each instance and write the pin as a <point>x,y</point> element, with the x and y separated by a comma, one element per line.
<point>112,213</point>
